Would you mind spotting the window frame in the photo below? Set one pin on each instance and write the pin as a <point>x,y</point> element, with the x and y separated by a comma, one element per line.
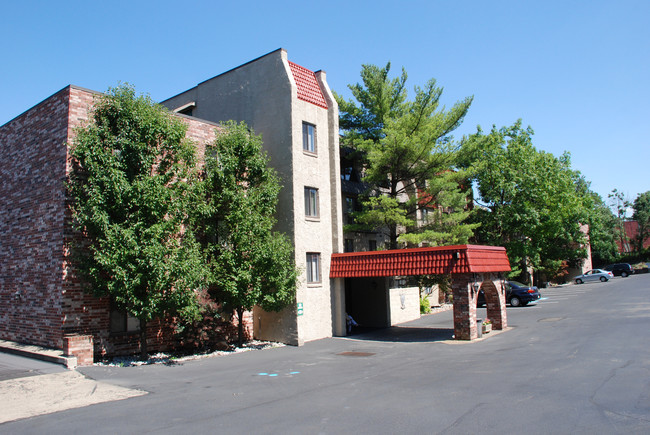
<point>309,132</point>
<point>308,203</point>
<point>128,324</point>
<point>313,259</point>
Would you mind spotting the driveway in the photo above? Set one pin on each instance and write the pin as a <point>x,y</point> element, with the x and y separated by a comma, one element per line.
<point>576,362</point>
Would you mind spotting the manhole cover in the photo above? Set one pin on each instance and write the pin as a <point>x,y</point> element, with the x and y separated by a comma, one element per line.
<point>356,354</point>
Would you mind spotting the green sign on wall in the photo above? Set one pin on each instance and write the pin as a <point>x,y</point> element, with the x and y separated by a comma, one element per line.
<point>300,308</point>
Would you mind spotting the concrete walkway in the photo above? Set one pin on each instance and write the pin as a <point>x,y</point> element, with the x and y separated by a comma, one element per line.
<point>45,394</point>
<point>28,394</point>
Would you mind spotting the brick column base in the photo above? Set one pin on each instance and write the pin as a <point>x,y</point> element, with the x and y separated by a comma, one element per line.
<point>80,346</point>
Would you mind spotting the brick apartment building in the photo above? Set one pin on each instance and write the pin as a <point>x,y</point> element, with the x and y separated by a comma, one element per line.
<point>42,302</point>
<point>292,107</point>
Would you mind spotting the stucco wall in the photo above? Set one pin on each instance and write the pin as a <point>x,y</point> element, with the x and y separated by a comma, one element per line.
<point>403,304</point>
<point>263,93</point>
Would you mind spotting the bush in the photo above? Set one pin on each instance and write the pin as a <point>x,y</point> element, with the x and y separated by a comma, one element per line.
<point>425,305</point>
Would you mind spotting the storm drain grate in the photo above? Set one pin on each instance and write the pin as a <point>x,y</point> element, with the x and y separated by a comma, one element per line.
<point>356,354</point>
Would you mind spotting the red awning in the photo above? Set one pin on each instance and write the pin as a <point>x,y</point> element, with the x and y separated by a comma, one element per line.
<point>420,261</point>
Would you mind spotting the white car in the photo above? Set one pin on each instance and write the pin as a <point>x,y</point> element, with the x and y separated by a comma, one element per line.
<point>594,275</point>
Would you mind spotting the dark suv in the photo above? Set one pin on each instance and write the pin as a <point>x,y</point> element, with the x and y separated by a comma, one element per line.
<point>517,294</point>
<point>620,269</point>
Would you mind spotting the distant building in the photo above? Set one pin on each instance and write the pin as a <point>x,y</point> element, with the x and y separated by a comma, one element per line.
<point>631,233</point>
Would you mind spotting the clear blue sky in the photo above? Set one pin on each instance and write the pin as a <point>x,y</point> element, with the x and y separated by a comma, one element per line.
<point>578,72</point>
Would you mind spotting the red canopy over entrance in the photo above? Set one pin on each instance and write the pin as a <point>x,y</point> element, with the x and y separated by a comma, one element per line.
<point>420,261</point>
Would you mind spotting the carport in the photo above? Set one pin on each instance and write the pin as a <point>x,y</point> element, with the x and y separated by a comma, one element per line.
<point>472,268</point>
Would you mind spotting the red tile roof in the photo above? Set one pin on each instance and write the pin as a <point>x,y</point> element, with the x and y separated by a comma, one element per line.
<point>308,88</point>
<point>420,261</point>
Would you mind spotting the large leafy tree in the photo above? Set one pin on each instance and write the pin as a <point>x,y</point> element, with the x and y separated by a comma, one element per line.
<point>128,187</point>
<point>406,150</point>
<point>641,214</point>
<point>250,263</point>
<point>530,200</point>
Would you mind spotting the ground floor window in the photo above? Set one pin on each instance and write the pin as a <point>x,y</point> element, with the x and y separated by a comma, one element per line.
<point>122,322</point>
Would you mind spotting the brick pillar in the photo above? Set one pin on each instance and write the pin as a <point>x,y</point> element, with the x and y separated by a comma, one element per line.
<point>80,346</point>
<point>495,295</point>
<point>464,307</point>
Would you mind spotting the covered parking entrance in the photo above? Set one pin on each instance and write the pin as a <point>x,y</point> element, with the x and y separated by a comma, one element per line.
<point>472,268</point>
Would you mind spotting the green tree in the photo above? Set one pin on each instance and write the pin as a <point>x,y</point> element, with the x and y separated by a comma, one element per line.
<point>530,200</point>
<point>250,263</point>
<point>407,151</point>
<point>641,215</point>
<point>620,204</point>
<point>602,224</point>
<point>128,187</point>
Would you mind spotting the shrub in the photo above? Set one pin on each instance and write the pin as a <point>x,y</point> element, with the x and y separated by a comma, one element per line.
<point>425,305</point>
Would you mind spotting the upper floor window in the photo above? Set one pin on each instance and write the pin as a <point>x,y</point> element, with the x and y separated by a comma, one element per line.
<point>348,245</point>
<point>311,202</point>
<point>309,137</point>
<point>313,267</point>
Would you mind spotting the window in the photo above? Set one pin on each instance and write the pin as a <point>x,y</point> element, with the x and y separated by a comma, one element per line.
<point>372,245</point>
<point>309,137</point>
<point>351,206</point>
<point>122,322</point>
<point>313,267</point>
<point>311,202</point>
<point>186,109</point>
<point>348,245</point>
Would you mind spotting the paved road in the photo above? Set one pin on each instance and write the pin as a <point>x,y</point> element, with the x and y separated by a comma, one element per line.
<point>578,361</point>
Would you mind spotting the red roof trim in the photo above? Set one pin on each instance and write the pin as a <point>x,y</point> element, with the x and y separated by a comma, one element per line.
<point>308,88</point>
<point>420,261</point>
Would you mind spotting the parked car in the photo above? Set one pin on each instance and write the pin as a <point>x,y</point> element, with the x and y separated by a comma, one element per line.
<point>619,269</point>
<point>594,275</point>
<point>517,294</point>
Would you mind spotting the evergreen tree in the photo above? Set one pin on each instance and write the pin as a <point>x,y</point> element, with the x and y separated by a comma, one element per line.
<point>407,151</point>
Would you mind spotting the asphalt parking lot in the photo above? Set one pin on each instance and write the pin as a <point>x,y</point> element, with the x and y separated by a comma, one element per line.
<point>578,361</point>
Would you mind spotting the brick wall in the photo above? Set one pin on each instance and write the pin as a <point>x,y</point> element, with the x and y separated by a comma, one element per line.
<point>32,175</point>
<point>41,298</point>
